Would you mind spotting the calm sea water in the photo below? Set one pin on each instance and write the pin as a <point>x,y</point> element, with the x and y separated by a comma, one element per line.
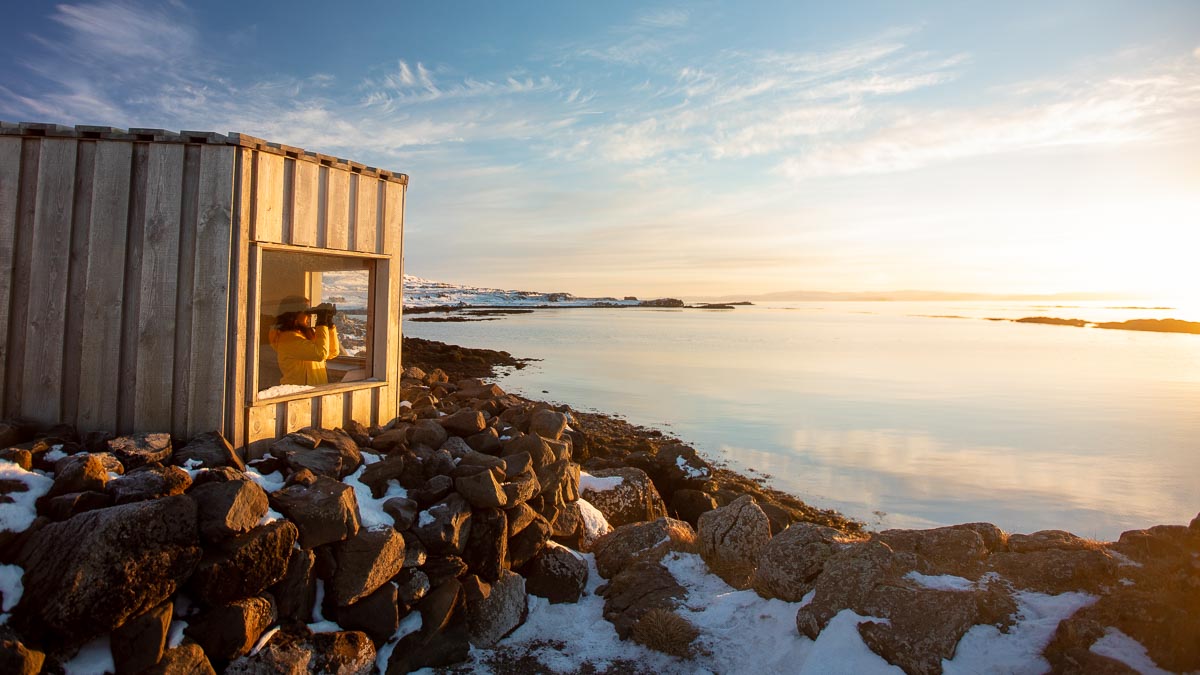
<point>895,413</point>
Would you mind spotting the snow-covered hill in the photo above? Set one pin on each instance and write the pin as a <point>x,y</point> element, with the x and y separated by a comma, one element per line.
<point>420,292</point>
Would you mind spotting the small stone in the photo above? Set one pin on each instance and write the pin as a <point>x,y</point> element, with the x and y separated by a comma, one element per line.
<point>138,449</point>
<point>434,490</point>
<point>445,526</point>
<point>403,511</point>
<point>411,586</point>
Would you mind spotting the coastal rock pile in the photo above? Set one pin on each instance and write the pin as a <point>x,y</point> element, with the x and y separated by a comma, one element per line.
<point>394,548</point>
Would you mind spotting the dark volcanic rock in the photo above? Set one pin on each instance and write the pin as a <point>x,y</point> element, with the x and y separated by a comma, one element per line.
<point>324,511</point>
<point>634,500</point>
<point>403,512</point>
<point>528,542</point>
<point>90,574</point>
<point>231,630</point>
<point>229,508</point>
<point>433,490</point>
<point>495,609</point>
<point>464,423</point>
<point>246,565</point>
<point>377,614</point>
<point>149,481</point>
<point>639,588</point>
<point>138,644</point>
<point>557,574</point>
<point>79,473</point>
<point>688,505</point>
<point>363,563</point>
<point>65,506</point>
<point>18,658</point>
<point>343,652</point>
<point>442,568</point>
<point>486,553</point>
<point>138,449</point>
<point>186,659</point>
<point>296,592</point>
<point>320,452</point>
<point>208,451</point>
<point>482,489</point>
<point>411,585</point>
<point>377,475</point>
<point>443,638</point>
<point>445,526</point>
<point>641,541</point>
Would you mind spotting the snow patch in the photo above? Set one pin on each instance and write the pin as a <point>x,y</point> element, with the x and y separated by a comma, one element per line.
<point>424,519</point>
<point>270,482</point>
<point>94,658</point>
<point>271,516</point>
<point>175,633</point>
<point>943,582</point>
<point>689,470</point>
<point>984,649</point>
<point>1119,646</point>
<point>55,453</point>
<point>840,649</point>
<point>285,390</point>
<point>18,515</point>
<point>589,482</point>
<point>595,525</point>
<point>370,510</point>
<point>262,641</point>
<point>10,586</point>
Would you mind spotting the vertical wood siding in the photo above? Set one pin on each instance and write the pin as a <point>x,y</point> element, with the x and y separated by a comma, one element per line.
<point>114,265</point>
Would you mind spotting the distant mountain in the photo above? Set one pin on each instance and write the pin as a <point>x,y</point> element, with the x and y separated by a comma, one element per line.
<point>883,296</point>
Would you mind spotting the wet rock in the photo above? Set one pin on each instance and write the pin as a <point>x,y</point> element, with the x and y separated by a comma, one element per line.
<point>483,489</point>
<point>90,574</point>
<point>633,500</point>
<point>789,564</point>
<point>464,423</point>
<point>445,526</point>
<point>208,451</point>
<point>377,614</point>
<point>486,553</point>
<point>228,508</point>
<point>731,539</point>
<point>363,563</point>
<point>323,453</point>
<point>138,643</point>
<point>246,565</point>
<point>642,586</point>
<point>528,542</point>
<point>443,638</point>
<point>324,511</point>
<point>229,631</point>
<point>630,543</point>
<point>138,449</point>
<point>149,481</point>
<point>556,573</point>
<point>494,609</point>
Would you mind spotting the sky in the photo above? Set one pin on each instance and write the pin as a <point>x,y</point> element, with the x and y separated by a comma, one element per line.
<point>701,148</point>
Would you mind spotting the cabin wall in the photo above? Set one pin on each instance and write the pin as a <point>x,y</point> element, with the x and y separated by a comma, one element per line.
<point>114,282</point>
<point>322,205</point>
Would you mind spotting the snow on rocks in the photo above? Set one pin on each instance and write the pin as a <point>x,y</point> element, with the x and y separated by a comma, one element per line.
<point>20,490</point>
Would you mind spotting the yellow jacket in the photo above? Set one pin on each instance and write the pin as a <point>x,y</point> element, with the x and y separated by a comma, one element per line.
<point>302,361</point>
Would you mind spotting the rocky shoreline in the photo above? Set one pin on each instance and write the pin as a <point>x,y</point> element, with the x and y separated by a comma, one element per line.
<point>422,543</point>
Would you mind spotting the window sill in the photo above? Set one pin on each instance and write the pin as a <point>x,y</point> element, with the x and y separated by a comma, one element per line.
<point>323,390</point>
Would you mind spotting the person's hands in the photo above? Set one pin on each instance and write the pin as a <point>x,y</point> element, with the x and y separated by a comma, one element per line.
<point>324,313</point>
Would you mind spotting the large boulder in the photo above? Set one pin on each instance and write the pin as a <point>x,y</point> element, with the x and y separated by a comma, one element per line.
<point>89,574</point>
<point>229,631</point>
<point>528,542</point>
<point>208,451</point>
<point>296,593</point>
<point>1056,570</point>
<point>324,510</point>
<point>556,573</point>
<point>548,424</point>
<point>246,565</point>
<point>486,553</point>
<point>229,508</point>
<point>641,587</point>
<point>363,563</point>
<point>641,541</point>
<point>464,423</point>
<point>957,550</point>
<point>483,489</point>
<point>443,638</point>
<point>323,453</point>
<point>427,432</point>
<point>377,614</point>
<point>624,495</point>
<point>495,609</point>
<point>445,526</point>
<point>731,538</point>
<point>139,642</point>
<point>149,481</point>
<point>789,564</point>
<point>138,449</point>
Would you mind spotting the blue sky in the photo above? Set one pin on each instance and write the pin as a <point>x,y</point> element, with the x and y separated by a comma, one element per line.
<point>692,148</point>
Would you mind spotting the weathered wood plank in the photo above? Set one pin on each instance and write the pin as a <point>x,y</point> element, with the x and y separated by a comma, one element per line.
<point>268,198</point>
<point>74,328</point>
<point>42,374</point>
<point>131,294</point>
<point>299,414</point>
<point>305,204</point>
<point>366,215</point>
<point>337,208</point>
<point>393,218</point>
<point>252,346</point>
<point>10,184</point>
<point>261,429</point>
<point>104,286</point>
<point>158,286</point>
<point>333,411</point>
<point>186,277</point>
<point>236,396</point>
<point>210,290</point>
<point>360,406</point>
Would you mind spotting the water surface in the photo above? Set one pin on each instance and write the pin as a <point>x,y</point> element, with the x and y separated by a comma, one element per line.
<point>893,412</point>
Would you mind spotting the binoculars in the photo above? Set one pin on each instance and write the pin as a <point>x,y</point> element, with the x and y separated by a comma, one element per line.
<point>323,312</point>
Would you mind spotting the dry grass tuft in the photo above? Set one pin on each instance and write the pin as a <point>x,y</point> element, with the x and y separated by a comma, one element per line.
<point>665,631</point>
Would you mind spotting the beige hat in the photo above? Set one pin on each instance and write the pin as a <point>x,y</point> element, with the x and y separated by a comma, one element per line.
<point>292,303</point>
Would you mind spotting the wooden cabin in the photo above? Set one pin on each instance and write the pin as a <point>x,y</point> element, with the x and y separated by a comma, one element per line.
<point>141,270</point>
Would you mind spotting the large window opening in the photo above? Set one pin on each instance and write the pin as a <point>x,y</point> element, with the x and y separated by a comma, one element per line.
<point>315,323</point>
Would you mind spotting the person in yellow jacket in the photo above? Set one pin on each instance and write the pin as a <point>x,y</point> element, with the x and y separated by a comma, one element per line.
<point>302,349</point>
